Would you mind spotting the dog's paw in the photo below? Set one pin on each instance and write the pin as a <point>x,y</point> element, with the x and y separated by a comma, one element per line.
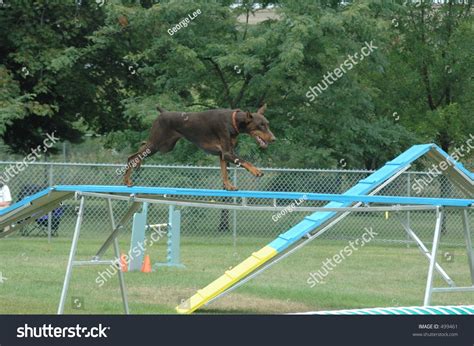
<point>229,187</point>
<point>258,173</point>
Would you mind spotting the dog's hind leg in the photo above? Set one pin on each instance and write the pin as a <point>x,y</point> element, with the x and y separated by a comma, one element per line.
<point>160,143</point>
<point>225,176</point>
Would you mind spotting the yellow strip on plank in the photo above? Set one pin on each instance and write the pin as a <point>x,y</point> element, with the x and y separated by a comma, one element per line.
<point>229,278</point>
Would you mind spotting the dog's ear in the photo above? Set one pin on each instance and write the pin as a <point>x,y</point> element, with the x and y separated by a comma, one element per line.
<point>160,109</point>
<point>262,109</point>
<point>248,117</point>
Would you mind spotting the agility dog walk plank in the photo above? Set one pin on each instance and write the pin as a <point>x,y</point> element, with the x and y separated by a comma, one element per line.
<point>31,208</point>
<point>455,170</point>
<point>351,195</point>
<point>309,224</point>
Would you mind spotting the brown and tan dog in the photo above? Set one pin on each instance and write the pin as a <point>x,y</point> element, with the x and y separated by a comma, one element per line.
<point>215,131</point>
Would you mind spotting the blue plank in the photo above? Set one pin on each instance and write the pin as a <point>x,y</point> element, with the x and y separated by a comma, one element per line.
<point>26,200</point>
<point>455,163</point>
<point>381,174</point>
<point>347,197</point>
<point>292,235</point>
<point>411,155</point>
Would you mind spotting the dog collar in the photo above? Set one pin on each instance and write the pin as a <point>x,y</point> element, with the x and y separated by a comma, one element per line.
<point>234,120</point>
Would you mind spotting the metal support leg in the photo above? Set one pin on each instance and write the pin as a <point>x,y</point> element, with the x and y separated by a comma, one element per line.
<point>424,250</point>
<point>72,254</point>
<point>467,236</point>
<point>123,289</point>
<point>408,212</point>
<point>128,215</point>
<point>234,214</point>
<point>434,250</point>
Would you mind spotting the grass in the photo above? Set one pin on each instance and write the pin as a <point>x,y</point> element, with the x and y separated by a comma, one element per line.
<point>375,275</point>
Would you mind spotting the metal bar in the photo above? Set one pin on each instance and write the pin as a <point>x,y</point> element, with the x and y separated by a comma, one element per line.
<point>453,289</point>
<point>300,209</point>
<point>306,240</point>
<point>171,229</point>
<point>92,263</point>
<point>123,290</point>
<point>157,225</point>
<point>258,207</point>
<point>234,214</point>
<point>424,250</point>
<point>268,195</point>
<point>408,212</point>
<point>467,236</point>
<point>72,254</point>
<point>434,251</point>
<point>128,215</point>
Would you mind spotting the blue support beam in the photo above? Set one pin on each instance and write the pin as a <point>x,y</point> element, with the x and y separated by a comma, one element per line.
<point>137,243</point>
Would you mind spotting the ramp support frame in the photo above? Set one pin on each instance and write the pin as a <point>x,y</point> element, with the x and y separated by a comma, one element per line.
<point>96,260</point>
<point>470,255</point>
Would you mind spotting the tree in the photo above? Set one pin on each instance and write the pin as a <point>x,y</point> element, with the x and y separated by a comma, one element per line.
<point>432,54</point>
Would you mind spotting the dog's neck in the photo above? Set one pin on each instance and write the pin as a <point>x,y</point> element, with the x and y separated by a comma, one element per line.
<point>238,120</point>
<point>235,124</point>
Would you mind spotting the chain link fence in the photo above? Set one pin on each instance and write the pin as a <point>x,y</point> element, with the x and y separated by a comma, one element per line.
<point>199,224</point>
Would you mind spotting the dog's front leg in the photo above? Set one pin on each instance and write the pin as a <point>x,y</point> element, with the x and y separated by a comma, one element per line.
<point>229,157</point>
<point>251,168</point>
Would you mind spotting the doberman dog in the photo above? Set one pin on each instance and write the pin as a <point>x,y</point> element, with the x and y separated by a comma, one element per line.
<point>215,131</point>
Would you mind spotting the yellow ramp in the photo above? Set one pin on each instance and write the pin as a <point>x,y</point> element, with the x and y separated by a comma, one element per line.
<point>229,278</point>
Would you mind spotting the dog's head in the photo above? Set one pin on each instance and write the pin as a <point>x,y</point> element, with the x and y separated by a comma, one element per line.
<point>258,127</point>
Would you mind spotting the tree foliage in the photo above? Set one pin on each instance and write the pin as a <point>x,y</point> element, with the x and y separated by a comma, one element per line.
<point>80,67</point>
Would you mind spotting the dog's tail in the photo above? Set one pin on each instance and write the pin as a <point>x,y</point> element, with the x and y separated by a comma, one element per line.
<point>160,109</point>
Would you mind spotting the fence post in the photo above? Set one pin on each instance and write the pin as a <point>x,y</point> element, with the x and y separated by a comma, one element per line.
<point>50,214</point>
<point>234,213</point>
<point>408,212</point>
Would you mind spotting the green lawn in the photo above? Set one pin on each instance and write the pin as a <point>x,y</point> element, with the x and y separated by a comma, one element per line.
<point>375,275</point>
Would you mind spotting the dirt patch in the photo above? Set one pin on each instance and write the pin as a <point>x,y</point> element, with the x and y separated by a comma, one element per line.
<point>232,303</point>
